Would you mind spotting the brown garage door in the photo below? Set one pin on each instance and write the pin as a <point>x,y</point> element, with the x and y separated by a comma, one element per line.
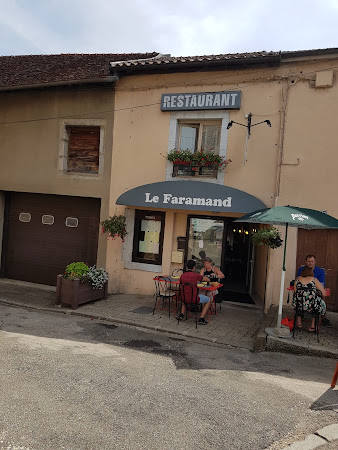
<point>44,233</point>
<point>323,244</point>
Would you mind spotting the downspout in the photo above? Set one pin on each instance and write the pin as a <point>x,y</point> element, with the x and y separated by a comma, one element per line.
<point>270,258</point>
<point>284,93</point>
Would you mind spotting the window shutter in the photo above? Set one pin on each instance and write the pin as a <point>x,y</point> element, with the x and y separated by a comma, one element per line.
<point>83,149</point>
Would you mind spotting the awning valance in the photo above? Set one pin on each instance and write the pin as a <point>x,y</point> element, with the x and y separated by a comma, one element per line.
<point>192,195</point>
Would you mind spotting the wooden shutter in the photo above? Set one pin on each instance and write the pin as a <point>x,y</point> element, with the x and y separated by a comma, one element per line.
<point>83,149</point>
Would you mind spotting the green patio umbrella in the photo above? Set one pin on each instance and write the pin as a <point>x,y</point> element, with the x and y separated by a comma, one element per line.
<point>290,216</point>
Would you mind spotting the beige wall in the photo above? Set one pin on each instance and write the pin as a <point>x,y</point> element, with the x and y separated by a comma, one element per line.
<point>293,162</point>
<point>30,147</point>
<point>259,272</point>
<point>272,172</point>
<point>2,213</point>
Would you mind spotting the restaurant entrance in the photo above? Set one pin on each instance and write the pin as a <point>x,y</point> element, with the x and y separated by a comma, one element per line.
<point>229,246</point>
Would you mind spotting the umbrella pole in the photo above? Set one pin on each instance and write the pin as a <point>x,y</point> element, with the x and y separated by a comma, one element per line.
<point>279,320</point>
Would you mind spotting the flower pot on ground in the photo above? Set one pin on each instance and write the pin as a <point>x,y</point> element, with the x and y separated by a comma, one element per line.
<point>81,284</point>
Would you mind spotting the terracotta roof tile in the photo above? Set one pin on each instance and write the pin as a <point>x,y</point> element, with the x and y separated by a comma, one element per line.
<point>167,59</point>
<point>30,70</point>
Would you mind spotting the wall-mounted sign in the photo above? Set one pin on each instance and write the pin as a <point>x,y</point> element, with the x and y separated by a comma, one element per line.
<point>201,100</point>
<point>191,195</point>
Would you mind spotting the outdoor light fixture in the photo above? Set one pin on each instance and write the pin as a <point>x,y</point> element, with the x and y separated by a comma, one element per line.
<point>249,125</point>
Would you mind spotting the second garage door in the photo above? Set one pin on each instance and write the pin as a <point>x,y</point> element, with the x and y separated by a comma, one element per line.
<point>44,233</point>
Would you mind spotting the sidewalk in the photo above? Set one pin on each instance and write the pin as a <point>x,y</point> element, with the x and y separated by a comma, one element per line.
<point>234,325</point>
<point>304,342</point>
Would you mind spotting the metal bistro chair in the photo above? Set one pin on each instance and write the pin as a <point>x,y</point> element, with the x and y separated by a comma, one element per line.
<point>189,297</point>
<point>176,273</point>
<point>163,292</point>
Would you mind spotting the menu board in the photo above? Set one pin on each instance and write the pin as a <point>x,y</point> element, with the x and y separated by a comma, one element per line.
<point>151,242</point>
<point>151,225</point>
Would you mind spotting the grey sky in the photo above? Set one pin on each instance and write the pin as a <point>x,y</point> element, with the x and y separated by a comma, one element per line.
<point>178,27</point>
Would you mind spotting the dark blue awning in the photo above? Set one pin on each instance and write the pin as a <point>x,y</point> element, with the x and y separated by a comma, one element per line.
<point>191,195</point>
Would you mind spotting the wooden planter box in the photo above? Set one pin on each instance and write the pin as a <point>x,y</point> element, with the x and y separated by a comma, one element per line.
<point>188,170</point>
<point>74,293</point>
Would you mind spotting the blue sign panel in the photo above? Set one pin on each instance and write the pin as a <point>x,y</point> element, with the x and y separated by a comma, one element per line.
<point>201,100</point>
<point>191,195</point>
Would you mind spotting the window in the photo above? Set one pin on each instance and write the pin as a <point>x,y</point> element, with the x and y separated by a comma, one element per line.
<point>83,149</point>
<point>47,219</point>
<point>72,222</point>
<point>25,217</point>
<point>148,237</point>
<point>195,136</point>
<point>198,130</point>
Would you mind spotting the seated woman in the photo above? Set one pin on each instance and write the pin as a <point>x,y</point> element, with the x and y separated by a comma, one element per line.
<point>306,298</point>
<point>211,272</point>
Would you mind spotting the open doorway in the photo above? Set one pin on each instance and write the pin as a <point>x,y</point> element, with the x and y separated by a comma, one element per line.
<point>229,246</point>
<point>238,264</point>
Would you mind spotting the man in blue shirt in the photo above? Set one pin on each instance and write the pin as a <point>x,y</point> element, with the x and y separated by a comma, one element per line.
<point>310,261</point>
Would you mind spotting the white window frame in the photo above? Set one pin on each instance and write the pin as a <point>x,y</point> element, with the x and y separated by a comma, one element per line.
<point>199,124</point>
<point>63,146</point>
<point>178,117</point>
<point>127,247</point>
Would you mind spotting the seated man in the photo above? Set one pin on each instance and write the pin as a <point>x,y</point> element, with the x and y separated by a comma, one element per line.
<point>310,262</point>
<point>190,276</point>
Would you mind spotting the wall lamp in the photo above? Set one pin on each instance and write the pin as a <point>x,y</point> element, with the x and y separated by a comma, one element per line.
<point>249,124</point>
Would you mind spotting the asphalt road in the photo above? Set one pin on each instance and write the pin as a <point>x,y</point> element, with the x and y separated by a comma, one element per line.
<point>69,382</point>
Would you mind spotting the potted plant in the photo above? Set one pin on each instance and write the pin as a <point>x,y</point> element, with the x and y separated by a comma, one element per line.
<point>269,236</point>
<point>81,284</point>
<point>203,162</point>
<point>115,226</point>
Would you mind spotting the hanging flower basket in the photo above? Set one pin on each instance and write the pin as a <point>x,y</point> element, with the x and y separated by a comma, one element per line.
<point>115,226</point>
<point>269,237</point>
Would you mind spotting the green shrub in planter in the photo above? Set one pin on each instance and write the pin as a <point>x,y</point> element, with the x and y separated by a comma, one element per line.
<point>77,270</point>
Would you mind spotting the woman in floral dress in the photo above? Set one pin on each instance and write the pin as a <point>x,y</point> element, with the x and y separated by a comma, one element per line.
<point>306,297</point>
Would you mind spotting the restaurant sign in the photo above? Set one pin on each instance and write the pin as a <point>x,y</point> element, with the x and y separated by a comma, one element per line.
<point>191,195</point>
<point>201,100</point>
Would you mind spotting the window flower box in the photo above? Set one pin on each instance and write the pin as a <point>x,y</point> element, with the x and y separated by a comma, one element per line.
<point>201,163</point>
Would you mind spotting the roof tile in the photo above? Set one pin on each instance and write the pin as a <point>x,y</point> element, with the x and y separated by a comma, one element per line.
<point>30,70</point>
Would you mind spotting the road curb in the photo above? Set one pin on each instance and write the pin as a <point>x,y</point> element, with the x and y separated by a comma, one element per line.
<point>173,334</point>
<point>321,437</point>
<point>261,338</point>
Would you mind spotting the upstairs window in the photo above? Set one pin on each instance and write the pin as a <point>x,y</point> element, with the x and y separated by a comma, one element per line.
<point>194,136</point>
<point>83,149</point>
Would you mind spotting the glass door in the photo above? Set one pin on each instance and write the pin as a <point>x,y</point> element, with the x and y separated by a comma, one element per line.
<point>205,238</point>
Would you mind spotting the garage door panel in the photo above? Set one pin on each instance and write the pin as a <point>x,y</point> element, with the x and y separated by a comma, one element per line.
<point>38,252</point>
